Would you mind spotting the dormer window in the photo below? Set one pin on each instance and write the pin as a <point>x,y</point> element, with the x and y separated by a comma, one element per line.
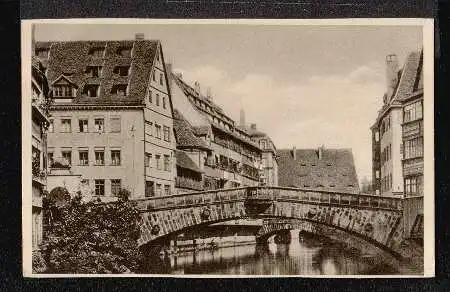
<point>94,71</point>
<point>97,52</point>
<point>120,89</point>
<point>42,53</point>
<point>91,90</point>
<point>63,91</point>
<point>124,52</point>
<point>122,70</point>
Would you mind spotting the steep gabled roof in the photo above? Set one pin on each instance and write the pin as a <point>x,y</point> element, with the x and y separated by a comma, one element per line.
<point>335,171</point>
<point>72,58</point>
<point>409,77</point>
<point>216,112</point>
<point>184,161</point>
<point>185,133</point>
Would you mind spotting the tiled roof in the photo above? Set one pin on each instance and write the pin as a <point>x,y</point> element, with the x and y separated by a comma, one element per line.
<point>201,130</point>
<point>335,171</point>
<point>410,76</point>
<point>189,91</point>
<point>184,133</point>
<point>72,58</point>
<point>184,161</point>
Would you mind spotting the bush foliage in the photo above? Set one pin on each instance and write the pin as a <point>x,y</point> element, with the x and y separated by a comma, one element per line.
<point>91,237</point>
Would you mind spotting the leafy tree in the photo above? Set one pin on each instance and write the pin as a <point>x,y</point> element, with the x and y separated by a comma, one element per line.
<point>91,237</point>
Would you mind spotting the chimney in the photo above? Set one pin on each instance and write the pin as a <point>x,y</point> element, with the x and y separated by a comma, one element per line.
<point>391,74</point>
<point>208,94</point>
<point>169,74</point>
<point>197,87</point>
<point>139,36</point>
<point>320,152</point>
<point>294,153</point>
<point>33,40</point>
<point>242,118</point>
<point>253,126</point>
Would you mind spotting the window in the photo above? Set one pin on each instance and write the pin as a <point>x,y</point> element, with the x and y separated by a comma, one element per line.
<point>149,189</point>
<point>158,189</point>
<point>91,90</point>
<point>83,125</point>
<point>157,99</point>
<point>377,136</point>
<point>93,71</point>
<point>99,157</point>
<point>164,102</point>
<point>413,186</point>
<point>166,134</point>
<point>413,148</point>
<point>124,52</point>
<point>115,187</point>
<point>262,144</point>
<point>148,160</point>
<point>120,90</point>
<point>63,91</point>
<point>166,190</point>
<point>158,162</point>
<point>115,157</point>
<point>150,96</point>
<point>84,157</point>
<point>149,128</point>
<point>67,155</point>
<point>377,174</point>
<point>42,53</point>
<point>161,79</point>
<point>51,126</point>
<point>115,124</point>
<point>122,70</point>
<point>99,125</point>
<point>99,187</point>
<point>166,163</point>
<point>158,131</point>
<point>413,112</point>
<point>153,75</point>
<point>50,158</point>
<point>97,52</point>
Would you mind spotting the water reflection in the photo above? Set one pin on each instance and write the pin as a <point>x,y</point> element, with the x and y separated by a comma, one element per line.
<point>297,258</point>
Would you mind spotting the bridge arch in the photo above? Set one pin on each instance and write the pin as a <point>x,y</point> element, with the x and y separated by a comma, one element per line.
<point>378,220</point>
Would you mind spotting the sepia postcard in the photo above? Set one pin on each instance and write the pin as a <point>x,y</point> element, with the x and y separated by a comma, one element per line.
<point>228,148</point>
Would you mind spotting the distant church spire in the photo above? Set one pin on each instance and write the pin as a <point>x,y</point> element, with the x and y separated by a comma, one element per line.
<point>242,118</point>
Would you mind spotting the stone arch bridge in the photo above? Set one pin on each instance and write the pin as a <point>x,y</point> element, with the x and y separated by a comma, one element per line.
<point>382,221</point>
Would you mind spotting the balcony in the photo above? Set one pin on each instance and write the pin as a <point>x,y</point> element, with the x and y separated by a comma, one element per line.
<point>188,183</point>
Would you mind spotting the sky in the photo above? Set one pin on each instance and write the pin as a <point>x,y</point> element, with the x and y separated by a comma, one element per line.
<point>304,85</point>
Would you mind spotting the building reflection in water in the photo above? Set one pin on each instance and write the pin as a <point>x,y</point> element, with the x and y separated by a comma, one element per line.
<point>297,258</point>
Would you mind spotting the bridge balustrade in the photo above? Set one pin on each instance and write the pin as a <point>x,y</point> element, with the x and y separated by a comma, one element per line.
<point>269,193</point>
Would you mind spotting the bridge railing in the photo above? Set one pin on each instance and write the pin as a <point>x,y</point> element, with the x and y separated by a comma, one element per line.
<point>192,199</point>
<point>273,194</point>
<point>324,197</point>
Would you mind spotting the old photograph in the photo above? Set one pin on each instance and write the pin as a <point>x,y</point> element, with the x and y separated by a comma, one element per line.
<point>237,148</point>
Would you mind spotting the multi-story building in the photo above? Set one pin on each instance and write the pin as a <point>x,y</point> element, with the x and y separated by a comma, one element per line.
<point>397,135</point>
<point>319,169</point>
<point>39,117</point>
<point>269,163</point>
<point>224,153</point>
<point>111,115</point>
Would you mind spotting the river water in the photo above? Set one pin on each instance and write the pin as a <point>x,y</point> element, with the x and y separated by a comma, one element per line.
<point>297,258</point>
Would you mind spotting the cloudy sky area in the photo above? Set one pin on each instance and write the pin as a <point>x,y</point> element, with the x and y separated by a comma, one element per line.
<point>303,85</point>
